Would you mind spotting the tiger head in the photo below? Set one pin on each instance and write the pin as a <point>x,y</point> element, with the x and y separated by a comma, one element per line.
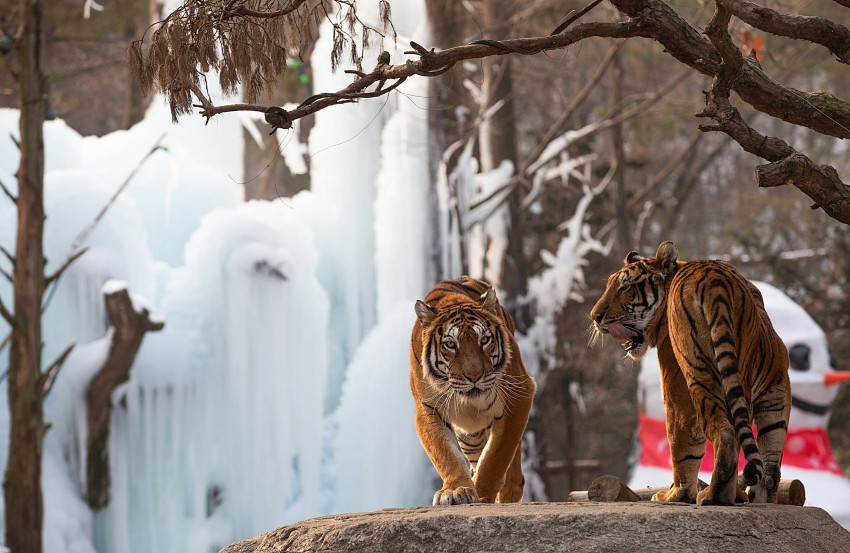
<point>464,345</point>
<point>634,300</point>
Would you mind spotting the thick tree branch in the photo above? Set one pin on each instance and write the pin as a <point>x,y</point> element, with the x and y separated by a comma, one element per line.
<point>819,111</point>
<point>827,33</point>
<point>819,182</point>
<point>431,63</point>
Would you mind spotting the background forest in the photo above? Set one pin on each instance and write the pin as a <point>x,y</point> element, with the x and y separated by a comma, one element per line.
<point>636,169</point>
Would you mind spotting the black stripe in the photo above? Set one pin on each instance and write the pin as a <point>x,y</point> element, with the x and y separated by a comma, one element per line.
<point>740,413</point>
<point>775,426</point>
<point>735,393</point>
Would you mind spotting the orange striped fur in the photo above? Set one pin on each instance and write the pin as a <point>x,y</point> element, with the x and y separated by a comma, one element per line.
<point>723,367</point>
<point>472,392</point>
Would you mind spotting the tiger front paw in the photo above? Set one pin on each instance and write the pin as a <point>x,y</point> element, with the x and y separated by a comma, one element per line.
<point>675,494</point>
<point>456,496</point>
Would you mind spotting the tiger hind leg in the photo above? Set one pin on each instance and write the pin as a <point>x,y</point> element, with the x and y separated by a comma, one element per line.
<point>723,488</point>
<point>771,417</point>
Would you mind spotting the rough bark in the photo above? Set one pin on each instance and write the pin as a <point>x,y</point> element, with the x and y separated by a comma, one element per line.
<point>128,330</point>
<point>22,481</point>
<point>819,111</point>
<point>819,182</point>
<point>831,35</point>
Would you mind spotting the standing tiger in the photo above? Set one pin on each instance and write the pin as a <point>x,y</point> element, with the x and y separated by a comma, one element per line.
<point>722,367</point>
<point>472,392</point>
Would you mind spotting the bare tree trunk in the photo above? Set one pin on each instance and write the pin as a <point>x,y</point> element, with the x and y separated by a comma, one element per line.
<point>129,328</point>
<point>21,484</point>
<point>498,86</point>
<point>618,157</point>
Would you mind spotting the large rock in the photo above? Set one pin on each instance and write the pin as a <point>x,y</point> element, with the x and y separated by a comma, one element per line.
<point>556,527</point>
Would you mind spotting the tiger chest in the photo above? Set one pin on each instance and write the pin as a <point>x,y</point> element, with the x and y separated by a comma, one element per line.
<point>472,419</point>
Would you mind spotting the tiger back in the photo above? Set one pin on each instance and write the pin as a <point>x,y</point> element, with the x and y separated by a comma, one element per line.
<point>722,367</point>
<point>472,392</point>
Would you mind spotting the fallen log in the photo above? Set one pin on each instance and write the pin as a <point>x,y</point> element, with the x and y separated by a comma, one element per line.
<point>609,489</point>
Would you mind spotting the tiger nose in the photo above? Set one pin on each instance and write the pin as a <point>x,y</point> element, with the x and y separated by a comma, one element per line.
<point>597,316</point>
<point>474,377</point>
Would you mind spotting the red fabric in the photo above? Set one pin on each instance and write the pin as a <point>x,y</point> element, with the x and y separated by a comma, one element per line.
<point>806,448</point>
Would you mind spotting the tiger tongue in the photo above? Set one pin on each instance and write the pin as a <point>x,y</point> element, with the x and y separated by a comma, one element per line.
<point>620,332</point>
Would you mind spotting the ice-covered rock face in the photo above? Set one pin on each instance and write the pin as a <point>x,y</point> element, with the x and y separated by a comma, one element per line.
<point>273,393</point>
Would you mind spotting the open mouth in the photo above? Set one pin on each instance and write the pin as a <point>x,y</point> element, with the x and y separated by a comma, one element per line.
<point>630,338</point>
<point>634,343</point>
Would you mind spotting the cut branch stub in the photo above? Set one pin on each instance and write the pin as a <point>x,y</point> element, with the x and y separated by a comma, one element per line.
<point>129,328</point>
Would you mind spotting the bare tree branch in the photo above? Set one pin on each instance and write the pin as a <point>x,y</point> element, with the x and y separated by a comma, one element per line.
<point>557,127</point>
<point>572,17</point>
<point>6,314</point>
<point>48,377</point>
<point>242,11</point>
<point>8,193</point>
<point>582,133</point>
<point>819,111</point>
<point>8,255</point>
<point>821,31</point>
<point>639,196</point>
<point>821,183</point>
<point>77,249</point>
<point>433,63</point>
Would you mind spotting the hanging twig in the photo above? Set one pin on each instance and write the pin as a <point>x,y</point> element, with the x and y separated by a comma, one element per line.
<point>76,245</point>
<point>573,16</point>
<point>8,193</point>
<point>49,376</point>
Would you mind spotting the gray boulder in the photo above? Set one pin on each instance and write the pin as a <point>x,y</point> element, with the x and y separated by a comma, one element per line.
<point>561,527</point>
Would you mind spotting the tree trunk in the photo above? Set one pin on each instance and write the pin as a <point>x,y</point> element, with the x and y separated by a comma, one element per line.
<point>497,85</point>
<point>618,157</point>
<point>22,480</point>
<point>129,328</point>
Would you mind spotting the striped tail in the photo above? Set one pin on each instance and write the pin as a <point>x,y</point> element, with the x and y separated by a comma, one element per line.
<point>726,361</point>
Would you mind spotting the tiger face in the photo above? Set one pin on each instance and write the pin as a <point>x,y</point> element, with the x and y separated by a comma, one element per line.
<point>464,347</point>
<point>634,299</point>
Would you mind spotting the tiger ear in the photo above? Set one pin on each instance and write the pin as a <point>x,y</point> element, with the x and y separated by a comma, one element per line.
<point>666,257</point>
<point>632,257</point>
<point>424,313</point>
<point>490,300</point>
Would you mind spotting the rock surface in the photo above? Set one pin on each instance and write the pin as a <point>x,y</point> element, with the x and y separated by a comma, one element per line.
<point>561,527</point>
